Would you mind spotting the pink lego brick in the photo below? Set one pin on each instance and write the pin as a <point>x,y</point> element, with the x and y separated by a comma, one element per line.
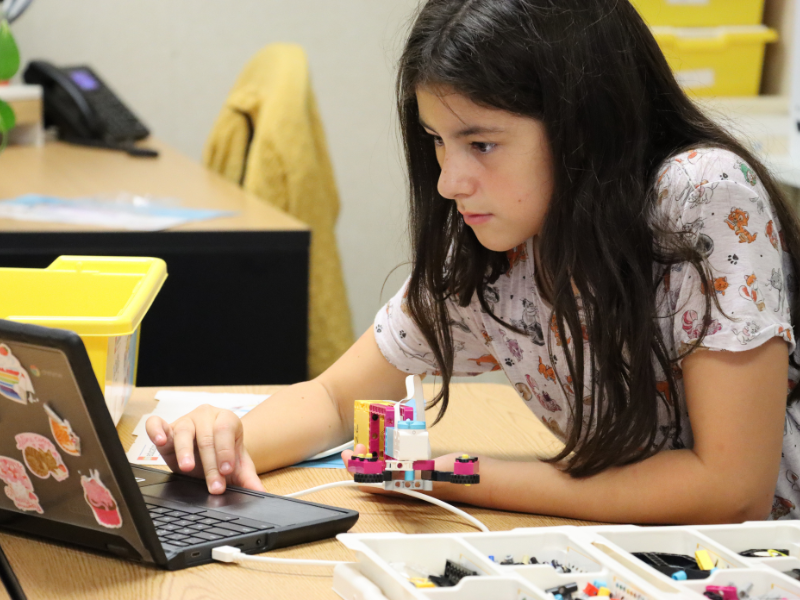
<point>728,592</point>
<point>387,412</point>
<point>365,466</point>
<point>465,466</point>
<point>424,465</point>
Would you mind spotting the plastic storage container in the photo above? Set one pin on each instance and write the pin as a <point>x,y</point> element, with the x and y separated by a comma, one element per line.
<point>700,13</point>
<point>720,61</point>
<point>390,564</point>
<point>102,299</point>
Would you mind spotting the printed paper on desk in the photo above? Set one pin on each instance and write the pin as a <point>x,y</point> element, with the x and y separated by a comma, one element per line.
<point>88,211</point>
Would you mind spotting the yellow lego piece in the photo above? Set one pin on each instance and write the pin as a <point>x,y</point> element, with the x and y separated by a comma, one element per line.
<point>361,419</point>
<point>604,591</point>
<point>422,582</point>
<point>703,560</point>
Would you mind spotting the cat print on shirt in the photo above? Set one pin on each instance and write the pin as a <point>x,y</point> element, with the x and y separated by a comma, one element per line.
<point>738,220</point>
<point>542,396</point>
<point>529,323</point>
<point>750,291</point>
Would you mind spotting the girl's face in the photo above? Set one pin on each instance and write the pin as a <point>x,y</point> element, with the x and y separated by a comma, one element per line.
<point>496,166</point>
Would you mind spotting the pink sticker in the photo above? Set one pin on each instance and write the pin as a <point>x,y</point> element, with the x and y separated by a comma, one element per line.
<point>15,384</point>
<point>63,434</point>
<point>105,509</point>
<point>18,486</point>
<point>41,456</point>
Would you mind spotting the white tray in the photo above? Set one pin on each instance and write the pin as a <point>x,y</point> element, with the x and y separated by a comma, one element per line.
<point>600,553</point>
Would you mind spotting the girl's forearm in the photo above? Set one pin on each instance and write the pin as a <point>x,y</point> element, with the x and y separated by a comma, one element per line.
<point>671,487</point>
<point>292,425</point>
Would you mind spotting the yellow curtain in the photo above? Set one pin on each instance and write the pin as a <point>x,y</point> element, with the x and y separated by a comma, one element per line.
<point>269,138</point>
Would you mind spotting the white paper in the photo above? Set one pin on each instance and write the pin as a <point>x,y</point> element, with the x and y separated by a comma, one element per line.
<point>172,405</point>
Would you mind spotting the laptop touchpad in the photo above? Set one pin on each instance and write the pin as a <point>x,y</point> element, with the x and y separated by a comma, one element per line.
<point>275,510</point>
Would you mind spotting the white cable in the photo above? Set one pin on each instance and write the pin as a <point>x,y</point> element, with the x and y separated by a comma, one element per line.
<point>230,554</point>
<point>447,506</point>
<point>337,450</point>
<point>412,493</point>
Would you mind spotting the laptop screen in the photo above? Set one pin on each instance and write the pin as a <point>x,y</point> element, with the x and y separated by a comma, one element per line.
<point>52,464</point>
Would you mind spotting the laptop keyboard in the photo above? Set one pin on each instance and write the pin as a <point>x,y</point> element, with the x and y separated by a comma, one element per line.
<point>181,528</point>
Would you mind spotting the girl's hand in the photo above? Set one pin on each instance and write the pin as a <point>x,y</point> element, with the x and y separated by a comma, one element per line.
<point>208,442</point>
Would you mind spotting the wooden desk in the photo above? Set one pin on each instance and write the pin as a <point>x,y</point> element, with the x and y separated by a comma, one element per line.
<point>483,419</point>
<point>234,282</point>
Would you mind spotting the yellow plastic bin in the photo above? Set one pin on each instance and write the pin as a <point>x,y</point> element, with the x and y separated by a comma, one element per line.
<point>700,13</point>
<point>719,61</point>
<point>102,299</point>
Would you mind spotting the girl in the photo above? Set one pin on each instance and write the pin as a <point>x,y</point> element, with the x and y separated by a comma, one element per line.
<point>577,222</point>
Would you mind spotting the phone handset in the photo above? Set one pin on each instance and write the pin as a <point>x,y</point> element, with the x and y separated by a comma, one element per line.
<point>85,110</point>
<point>54,80</point>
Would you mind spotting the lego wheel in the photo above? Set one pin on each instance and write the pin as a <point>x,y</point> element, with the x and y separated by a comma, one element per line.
<point>464,479</point>
<point>368,477</point>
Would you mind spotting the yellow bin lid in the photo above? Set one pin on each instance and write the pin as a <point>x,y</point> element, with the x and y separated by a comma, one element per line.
<point>712,38</point>
<point>90,295</point>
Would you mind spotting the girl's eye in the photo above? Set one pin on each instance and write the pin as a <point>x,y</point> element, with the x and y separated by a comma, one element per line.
<point>483,147</point>
<point>437,141</point>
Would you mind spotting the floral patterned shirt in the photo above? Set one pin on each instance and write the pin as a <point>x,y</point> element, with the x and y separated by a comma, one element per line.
<point>709,193</point>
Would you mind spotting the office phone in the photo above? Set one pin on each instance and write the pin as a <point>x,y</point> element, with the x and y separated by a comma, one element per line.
<point>85,110</point>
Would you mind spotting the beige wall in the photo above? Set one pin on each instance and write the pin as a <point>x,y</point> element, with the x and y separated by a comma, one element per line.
<point>174,61</point>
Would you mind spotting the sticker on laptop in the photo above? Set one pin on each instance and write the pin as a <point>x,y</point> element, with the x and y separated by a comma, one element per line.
<point>97,496</point>
<point>18,485</point>
<point>15,384</point>
<point>41,456</point>
<point>62,433</point>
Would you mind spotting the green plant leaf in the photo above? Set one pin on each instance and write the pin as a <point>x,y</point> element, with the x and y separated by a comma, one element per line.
<point>7,118</point>
<point>9,53</point>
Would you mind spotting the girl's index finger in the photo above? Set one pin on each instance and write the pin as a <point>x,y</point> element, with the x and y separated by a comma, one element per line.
<point>158,430</point>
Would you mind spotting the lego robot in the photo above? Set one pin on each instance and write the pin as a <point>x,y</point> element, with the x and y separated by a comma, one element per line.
<point>399,453</point>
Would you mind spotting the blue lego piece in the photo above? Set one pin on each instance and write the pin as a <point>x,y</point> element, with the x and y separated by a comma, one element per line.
<point>410,475</point>
<point>417,425</point>
<point>388,443</point>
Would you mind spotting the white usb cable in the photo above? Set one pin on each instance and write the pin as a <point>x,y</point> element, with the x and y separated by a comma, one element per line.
<point>229,554</point>
<point>412,493</point>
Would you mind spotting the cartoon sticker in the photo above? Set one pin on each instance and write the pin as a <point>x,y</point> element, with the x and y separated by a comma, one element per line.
<point>41,456</point>
<point>105,509</point>
<point>15,384</point>
<point>18,485</point>
<point>63,434</point>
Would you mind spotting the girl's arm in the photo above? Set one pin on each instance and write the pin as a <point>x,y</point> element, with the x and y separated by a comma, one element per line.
<point>737,405</point>
<point>311,417</point>
<point>291,425</point>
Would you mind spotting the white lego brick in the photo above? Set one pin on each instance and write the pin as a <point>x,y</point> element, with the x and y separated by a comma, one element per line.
<point>400,465</point>
<point>418,485</point>
<point>411,444</point>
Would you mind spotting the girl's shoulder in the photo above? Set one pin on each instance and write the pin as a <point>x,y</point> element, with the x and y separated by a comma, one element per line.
<point>704,166</point>
<point>689,179</point>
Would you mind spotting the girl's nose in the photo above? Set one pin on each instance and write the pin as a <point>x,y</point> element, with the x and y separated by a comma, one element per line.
<point>455,180</point>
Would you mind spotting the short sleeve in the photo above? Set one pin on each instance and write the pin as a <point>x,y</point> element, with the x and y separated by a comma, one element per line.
<point>401,342</point>
<point>731,220</point>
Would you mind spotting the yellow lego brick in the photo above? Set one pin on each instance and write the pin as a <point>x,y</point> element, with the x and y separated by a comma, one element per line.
<point>703,560</point>
<point>361,420</point>
<point>604,591</point>
<point>422,582</point>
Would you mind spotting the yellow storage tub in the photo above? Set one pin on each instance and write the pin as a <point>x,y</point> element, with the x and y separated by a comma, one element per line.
<point>719,61</point>
<point>700,13</point>
<point>102,299</point>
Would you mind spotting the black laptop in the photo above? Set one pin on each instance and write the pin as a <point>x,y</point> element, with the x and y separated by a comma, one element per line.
<point>66,478</point>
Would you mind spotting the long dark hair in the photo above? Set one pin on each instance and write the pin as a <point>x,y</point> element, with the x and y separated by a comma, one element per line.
<point>592,73</point>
